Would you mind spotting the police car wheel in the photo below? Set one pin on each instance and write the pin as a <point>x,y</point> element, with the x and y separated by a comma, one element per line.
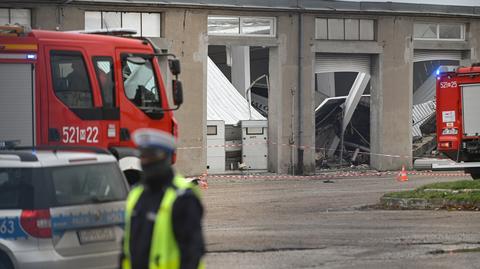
<point>5,262</point>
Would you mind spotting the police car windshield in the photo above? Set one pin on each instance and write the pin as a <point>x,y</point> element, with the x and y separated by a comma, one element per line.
<point>140,82</point>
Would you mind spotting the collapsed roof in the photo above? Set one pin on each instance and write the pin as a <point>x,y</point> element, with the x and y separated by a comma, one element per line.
<point>224,102</point>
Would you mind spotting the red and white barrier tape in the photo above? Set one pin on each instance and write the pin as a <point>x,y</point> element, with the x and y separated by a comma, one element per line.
<point>297,147</point>
<point>336,175</point>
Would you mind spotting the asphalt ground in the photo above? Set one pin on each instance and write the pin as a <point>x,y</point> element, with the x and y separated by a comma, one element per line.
<point>307,223</point>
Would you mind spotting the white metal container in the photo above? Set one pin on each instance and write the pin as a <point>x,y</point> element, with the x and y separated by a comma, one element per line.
<point>255,144</point>
<point>215,146</point>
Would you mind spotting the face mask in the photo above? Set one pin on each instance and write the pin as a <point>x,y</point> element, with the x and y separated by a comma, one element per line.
<point>157,174</point>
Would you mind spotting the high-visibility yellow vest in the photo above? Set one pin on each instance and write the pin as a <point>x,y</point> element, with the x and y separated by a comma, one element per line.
<point>164,251</point>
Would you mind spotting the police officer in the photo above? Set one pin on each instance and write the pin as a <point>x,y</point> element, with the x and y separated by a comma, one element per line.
<point>163,213</point>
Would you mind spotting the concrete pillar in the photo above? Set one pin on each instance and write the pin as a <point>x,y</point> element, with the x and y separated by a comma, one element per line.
<point>54,17</point>
<point>282,116</point>
<point>283,102</point>
<point>45,17</point>
<point>391,103</point>
<point>241,68</point>
<point>474,39</point>
<point>307,108</point>
<point>187,30</point>
<point>275,122</point>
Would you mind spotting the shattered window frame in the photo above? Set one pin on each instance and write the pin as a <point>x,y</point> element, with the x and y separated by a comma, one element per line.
<point>239,25</point>
<point>438,31</point>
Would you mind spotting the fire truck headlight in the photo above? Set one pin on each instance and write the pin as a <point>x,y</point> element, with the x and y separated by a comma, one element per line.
<point>31,56</point>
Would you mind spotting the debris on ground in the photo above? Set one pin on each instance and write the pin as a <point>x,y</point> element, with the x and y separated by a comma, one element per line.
<point>356,146</point>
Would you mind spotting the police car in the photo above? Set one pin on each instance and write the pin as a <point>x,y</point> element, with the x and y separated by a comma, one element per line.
<point>60,209</point>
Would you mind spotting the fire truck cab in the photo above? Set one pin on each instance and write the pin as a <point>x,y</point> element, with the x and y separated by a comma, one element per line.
<point>60,88</point>
<point>458,122</point>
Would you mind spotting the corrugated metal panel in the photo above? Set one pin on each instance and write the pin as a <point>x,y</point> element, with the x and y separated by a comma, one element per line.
<point>224,102</point>
<point>426,92</point>
<point>420,114</point>
<point>326,63</point>
<point>432,55</point>
<point>16,106</point>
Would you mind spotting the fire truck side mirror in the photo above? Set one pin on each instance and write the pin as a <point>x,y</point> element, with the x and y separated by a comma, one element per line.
<point>177,89</point>
<point>174,65</point>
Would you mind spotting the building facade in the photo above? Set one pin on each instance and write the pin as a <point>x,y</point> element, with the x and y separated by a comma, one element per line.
<point>305,40</point>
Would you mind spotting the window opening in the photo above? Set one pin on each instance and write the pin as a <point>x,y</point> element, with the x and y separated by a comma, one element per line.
<point>140,83</point>
<point>211,130</point>
<point>145,23</point>
<point>106,81</point>
<point>70,79</point>
<point>241,26</point>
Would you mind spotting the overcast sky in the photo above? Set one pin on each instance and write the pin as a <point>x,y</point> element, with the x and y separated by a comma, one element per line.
<point>437,2</point>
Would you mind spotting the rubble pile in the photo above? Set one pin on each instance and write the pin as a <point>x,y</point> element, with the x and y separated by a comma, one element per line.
<point>356,146</point>
<point>328,122</point>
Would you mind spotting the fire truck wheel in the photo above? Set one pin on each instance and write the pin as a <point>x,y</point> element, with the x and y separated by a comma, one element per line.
<point>475,176</point>
<point>474,173</point>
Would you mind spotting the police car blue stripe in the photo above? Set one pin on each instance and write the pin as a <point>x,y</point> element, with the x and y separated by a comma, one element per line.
<point>10,229</point>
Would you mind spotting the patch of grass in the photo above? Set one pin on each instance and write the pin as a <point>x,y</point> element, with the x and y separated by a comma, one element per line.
<point>471,197</point>
<point>455,185</point>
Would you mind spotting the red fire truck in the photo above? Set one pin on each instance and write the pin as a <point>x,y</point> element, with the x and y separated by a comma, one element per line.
<point>458,117</point>
<point>76,89</point>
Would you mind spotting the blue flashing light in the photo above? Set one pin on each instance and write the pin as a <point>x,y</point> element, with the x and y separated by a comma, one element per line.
<point>31,56</point>
<point>437,72</point>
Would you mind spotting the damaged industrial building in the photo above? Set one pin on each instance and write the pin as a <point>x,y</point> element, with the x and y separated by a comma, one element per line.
<point>317,83</point>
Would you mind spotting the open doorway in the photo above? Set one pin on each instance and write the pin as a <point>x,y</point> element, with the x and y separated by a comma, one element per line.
<point>237,102</point>
<point>424,106</point>
<point>342,114</point>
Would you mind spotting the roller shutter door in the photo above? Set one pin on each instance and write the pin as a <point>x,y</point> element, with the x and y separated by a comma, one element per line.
<point>326,63</point>
<point>432,55</point>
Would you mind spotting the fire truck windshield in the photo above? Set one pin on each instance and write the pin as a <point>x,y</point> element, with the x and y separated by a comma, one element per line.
<point>140,82</point>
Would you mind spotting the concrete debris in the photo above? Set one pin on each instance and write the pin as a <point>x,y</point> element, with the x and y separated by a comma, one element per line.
<point>328,118</point>
<point>356,146</point>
